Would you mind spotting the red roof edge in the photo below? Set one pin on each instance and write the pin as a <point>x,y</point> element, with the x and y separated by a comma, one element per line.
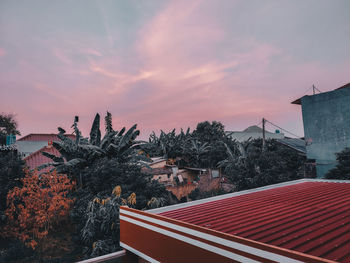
<point>36,152</point>
<point>24,138</point>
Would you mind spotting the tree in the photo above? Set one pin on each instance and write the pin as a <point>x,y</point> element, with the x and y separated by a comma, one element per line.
<point>194,152</point>
<point>214,135</point>
<point>11,171</point>
<point>342,170</point>
<point>34,209</point>
<point>99,165</point>
<point>250,167</point>
<point>100,233</point>
<point>8,125</point>
<point>76,155</point>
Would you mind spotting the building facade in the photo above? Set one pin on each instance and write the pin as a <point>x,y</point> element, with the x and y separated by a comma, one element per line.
<point>326,118</point>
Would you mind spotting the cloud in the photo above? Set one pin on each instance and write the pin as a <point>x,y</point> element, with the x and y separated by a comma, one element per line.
<point>184,62</point>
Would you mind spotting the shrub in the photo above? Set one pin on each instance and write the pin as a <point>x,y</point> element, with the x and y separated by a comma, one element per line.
<point>342,170</point>
<point>37,207</point>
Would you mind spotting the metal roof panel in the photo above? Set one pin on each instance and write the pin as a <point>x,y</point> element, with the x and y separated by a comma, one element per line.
<point>311,217</point>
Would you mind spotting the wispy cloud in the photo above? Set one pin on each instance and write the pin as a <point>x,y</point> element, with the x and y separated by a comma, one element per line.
<point>170,65</point>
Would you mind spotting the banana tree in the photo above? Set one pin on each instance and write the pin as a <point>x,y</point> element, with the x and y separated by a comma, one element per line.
<point>77,154</point>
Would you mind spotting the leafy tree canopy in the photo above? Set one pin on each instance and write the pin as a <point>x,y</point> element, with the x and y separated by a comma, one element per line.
<point>342,170</point>
<point>251,167</point>
<point>11,172</point>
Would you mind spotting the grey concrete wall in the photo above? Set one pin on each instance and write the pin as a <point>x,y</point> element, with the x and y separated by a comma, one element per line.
<point>326,118</point>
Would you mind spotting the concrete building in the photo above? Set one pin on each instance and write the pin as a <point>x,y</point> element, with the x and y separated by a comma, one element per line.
<point>253,132</point>
<point>326,118</point>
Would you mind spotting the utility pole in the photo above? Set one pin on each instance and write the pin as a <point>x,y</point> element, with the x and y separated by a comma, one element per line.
<point>263,126</point>
<point>313,89</point>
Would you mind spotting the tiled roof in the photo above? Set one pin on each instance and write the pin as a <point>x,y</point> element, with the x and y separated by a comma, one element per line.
<point>43,137</point>
<point>36,158</point>
<point>312,217</point>
<point>157,171</point>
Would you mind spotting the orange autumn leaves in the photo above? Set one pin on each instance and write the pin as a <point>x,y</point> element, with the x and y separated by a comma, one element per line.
<point>38,206</point>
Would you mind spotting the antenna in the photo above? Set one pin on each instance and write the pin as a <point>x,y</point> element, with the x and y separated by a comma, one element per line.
<point>263,125</point>
<point>314,89</point>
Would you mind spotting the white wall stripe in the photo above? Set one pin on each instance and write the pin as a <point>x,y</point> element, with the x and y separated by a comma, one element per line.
<point>212,238</point>
<point>191,241</point>
<point>136,252</point>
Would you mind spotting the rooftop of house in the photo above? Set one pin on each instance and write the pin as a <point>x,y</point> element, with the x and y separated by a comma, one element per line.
<point>294,143</point>
<point>306,220</point>
<point>156,171</point>
<point>250,129</point>
<point>37,158</point>
<point>43,137</point>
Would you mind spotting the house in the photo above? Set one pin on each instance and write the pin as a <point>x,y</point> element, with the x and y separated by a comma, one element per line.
<point>296,144</point>
<point>35,141</point>
<point>163,175</point>
<point>326,118</point>
<point>305,220</point>
<point>36,159</point>
<point>182,181</point>
<point>253,132</point>
<point>31,146</point>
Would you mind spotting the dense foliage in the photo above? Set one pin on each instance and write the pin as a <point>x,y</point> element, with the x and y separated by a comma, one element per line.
<point>34,209</point>
<point>252,166</point>
<point>204,147</point>
<point>11,171</point>
<point>98,165</point>
<point>102,166</point>
<point>342,170</point>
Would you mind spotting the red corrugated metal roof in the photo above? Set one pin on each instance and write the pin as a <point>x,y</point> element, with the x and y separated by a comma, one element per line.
<point>309,217</point>
<point>43,137</point>
<point>36,158</point>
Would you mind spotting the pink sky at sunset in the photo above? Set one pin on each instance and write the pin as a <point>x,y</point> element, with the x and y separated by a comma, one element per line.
<point>168,64</point>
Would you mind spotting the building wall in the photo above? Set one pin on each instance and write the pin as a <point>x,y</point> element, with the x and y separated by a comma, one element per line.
<point>326,118</point>
<point>25,148</point>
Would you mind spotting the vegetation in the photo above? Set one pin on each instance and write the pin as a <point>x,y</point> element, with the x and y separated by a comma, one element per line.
<point>342,170</point>
<point>97,165</point>
<point>8,125</point>
<point>85,184</point>
<point>38,208</point>
<point>203,148</point>
<point>251,167</point>
<point>11,171</point>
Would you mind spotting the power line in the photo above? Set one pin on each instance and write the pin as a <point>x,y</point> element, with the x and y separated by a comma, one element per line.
<point>283,129</point>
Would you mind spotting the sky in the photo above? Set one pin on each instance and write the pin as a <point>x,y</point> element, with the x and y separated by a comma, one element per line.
<point>168,64</point>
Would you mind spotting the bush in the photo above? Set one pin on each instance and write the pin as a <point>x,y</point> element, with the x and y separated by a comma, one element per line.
<point>41,204</point>
<point>11,172</point>
<point>342,170</point>
<point>255,168</point>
